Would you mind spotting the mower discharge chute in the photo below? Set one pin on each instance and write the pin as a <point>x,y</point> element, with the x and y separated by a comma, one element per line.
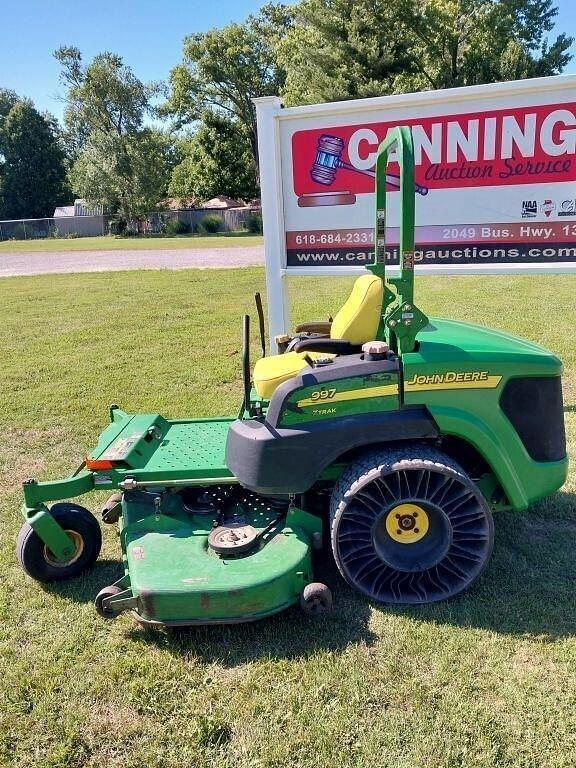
<point>400,433</point>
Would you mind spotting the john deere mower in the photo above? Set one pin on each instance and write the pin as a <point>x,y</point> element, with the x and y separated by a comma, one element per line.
<point>397,433</point>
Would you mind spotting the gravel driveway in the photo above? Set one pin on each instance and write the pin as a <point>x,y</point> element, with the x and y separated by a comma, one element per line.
<point>28,263</point>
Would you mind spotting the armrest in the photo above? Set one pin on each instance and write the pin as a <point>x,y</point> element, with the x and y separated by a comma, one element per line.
<point>330,346</point>
<point>315,326</point>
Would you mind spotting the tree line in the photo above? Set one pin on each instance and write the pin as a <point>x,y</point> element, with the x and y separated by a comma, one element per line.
<point>128,144</point>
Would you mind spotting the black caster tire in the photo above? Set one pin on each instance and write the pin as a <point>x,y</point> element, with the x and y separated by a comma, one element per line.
<point>316,599</point>
<point>111,510</point>
<point>409,526</point>
<point>110,591</point>
<point>84,531</point>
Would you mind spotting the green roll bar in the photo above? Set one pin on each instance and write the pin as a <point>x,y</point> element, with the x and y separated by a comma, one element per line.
<point>401,318</point>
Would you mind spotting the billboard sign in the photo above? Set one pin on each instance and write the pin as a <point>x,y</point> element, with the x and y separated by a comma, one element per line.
<point>495,169</point>
<point>495,174</point>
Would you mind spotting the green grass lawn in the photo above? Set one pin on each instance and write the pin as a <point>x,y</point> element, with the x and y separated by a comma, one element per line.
<point>109,243</point>
<point>487,680</point>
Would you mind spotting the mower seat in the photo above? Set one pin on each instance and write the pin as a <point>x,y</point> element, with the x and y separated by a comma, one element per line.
<point>357,322</point>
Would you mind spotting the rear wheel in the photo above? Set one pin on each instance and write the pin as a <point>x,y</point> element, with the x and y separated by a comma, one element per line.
<point>82,529</point>
<point>409,526</point>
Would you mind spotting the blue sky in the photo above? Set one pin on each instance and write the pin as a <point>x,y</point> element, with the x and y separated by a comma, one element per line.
<point>147,33</point>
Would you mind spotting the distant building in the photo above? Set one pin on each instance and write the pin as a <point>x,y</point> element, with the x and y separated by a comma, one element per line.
<point>80,219</point>
<point>80,208</point>
<point>176,204</point>
<point>63,210</point>
<point>221,201</point>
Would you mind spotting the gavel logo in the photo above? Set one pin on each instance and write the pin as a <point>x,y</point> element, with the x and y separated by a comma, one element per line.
<point>325,167</point>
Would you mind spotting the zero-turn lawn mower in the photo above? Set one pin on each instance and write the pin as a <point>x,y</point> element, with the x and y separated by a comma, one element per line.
<point>400,432</point>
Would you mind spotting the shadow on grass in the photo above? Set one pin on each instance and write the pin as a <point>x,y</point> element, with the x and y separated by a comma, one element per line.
<point>289,634</point>
<point>286,635</point>
<point>84,588</point>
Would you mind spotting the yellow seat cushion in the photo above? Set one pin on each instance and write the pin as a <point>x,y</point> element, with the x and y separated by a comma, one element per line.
<point>358,320</point>
<point>270,372</point>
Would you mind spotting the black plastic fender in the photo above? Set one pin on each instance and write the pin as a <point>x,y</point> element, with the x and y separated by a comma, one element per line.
<point>270,460</point>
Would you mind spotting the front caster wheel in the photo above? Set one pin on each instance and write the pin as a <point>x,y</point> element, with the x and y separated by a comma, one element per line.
<point>409,526</point>
<point>315,599</point>
<point>82,529</point>
<point>101,609</point>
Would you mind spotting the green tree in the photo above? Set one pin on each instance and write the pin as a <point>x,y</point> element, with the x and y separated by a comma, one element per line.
<point>341,50</point>
<point>120,162</point>
<point>7,100</point>
<point>216,161</point>
<point>469,42</point>
<point>224,69</point>
<point>33,170</point>
<point>129,175</point>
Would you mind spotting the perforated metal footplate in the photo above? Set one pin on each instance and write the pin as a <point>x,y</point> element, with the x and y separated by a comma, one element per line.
<point>193,446</point>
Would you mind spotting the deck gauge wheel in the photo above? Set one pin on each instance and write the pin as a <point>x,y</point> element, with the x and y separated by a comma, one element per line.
<point>101,609</point>
<point>316,598</point>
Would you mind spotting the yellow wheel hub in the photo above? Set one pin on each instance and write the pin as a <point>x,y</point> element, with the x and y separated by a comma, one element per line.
<point>407,523</point>
<point>78,543</point>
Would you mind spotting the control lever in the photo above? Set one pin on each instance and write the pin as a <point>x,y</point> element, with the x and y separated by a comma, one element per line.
<point>246,361</point>
<point>260,310</point>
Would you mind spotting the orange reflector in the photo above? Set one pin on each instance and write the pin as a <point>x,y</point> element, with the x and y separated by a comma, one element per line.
<point>98,464</point>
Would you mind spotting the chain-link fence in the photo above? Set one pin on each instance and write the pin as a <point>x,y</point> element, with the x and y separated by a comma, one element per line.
<point>34,229</point>
<point>157,222</point>
<point>233,219</point>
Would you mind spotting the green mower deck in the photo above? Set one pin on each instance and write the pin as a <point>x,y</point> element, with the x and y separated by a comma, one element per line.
<point>172,574</point>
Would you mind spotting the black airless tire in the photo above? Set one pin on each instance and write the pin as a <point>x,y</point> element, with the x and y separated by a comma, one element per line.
<point>409,526</point>
<point>316,598</point>
<point>83,530</point>
<point>110,591</point>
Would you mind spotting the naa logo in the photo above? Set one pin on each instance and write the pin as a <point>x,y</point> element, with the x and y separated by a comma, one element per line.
<point>529,209</point>
<point>548,207</point>
<point>567,208</point>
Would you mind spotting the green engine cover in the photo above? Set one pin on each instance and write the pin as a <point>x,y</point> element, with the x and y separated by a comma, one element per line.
<point>460,372</point>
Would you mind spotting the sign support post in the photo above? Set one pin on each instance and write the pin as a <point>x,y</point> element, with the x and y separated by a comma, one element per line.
<point>268,109</point>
